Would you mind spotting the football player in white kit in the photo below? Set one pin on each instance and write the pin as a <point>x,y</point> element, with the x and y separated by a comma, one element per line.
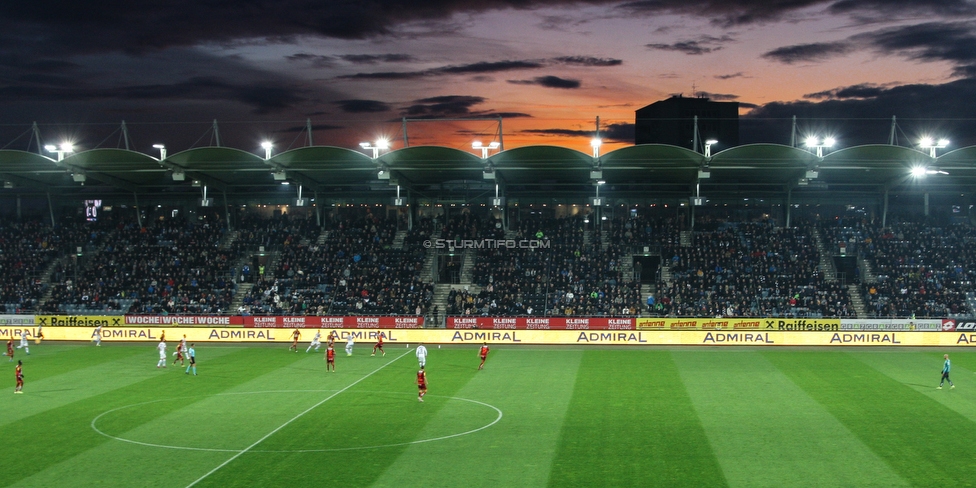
<point>316,341</point>
<point>162,354</point>
<point>349,343</point>
<point>23,343</point>
<point>98,335</point>
<point>422,355</point>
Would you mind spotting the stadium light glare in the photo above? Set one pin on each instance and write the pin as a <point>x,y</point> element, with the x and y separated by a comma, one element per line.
<point>932,145</point>
<point>60,151</point>
<point>162,151</point>
<point>595,143</point>
<point>708,147</point>
<point>380,144</point>
<point>485,149</point>
<point>814,142</point>
<point>267,145</point>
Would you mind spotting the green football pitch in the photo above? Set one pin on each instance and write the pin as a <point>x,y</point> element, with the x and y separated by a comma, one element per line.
<point>535,416</point>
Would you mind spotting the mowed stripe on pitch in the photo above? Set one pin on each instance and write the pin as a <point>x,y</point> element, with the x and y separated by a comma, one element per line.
<point>767,431</point>
<point>78,455</point>
<point>70,374</point>
<point>531,387</point>
<point>378,411</point>
<point>887,416</point>
<point>921,371</point>
<point>631,423</point>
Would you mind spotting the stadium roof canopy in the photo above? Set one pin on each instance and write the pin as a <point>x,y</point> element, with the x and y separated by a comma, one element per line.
<point>653,169</point>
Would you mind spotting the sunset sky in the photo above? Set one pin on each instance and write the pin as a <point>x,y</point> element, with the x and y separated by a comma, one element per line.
<point>548,67</point>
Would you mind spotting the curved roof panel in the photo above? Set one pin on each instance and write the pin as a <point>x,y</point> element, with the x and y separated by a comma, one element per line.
<point>326,166</point>
<point>32,169</point>
<point>651,155</point>
<point>762,157</point>
<point>433,164</point>
<point>543,165</point>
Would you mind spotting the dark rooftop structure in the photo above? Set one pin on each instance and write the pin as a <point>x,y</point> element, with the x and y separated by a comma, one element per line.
<point>672,121</point>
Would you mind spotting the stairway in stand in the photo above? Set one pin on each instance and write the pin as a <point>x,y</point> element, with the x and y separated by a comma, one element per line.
<point>399,238</point>
<point>857,302</point>
<point>242,290</point>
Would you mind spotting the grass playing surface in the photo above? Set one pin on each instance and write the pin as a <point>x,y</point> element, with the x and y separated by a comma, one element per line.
<point>535,416</point>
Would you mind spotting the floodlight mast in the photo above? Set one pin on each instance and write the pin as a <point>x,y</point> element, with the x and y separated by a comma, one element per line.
<point>708,147</point>
<point>932,145</point>
<point>60,151</point>
<point>380,144</point>
<point>485,149</point>
<point>815,142</point>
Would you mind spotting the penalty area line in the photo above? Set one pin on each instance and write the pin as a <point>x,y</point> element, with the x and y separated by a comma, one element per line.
<point>282,426</point>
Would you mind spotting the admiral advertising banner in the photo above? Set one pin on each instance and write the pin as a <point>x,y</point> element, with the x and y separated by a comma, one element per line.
<point>541,323</point>
<point>406,337</point>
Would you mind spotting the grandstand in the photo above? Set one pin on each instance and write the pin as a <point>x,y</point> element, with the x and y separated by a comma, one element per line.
<point>758,230</point>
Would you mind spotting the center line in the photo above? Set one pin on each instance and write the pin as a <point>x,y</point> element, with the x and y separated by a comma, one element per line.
<point>282,426</point>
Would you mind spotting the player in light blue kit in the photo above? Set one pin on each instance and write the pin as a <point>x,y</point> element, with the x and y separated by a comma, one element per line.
<point>192,354</point>
<point>945,374</point>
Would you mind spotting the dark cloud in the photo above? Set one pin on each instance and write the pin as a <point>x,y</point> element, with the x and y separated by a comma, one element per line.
<point>817,51</point>
<point>930,41</point>
<point>473,68</point>
<point>362,106</point>
<point>861,91</point>
<point>297,129</point>
<point>611,133</point>
<point>618,133</point>
<point>738,74</point>
<point>262,97</point>
<point>588,61</point>
<point>703,45</point>
<point>722,13</point>
<point>320,61</point>
<point>444,106</point>
<point>862,114</point>
<point>549,82</point>
<point>376,58</point>
<point>317,61</point>
<point>873,9</point>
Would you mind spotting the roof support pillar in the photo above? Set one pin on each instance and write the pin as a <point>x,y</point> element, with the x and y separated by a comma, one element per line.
<point>884,212</point>
<point>230,226</point>
<point>50,208</point>
<point>318,208</point>
<point>135,196</point>
<point>789,206</point>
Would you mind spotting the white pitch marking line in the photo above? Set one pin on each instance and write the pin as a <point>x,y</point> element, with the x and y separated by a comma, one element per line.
<point>282,426</point>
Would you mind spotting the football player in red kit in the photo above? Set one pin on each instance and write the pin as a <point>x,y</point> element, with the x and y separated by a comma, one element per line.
<point>19,373</point>
<point>330,358</point>
<point>483,353</point>
<point>294,340</point>
<point>379,344</point>
<point>421,383</point>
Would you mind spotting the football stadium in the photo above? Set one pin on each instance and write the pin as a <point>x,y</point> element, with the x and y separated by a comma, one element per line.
<point>760,315</point>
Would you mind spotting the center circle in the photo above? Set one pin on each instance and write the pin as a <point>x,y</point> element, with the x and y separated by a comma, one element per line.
<point>108,414</point>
